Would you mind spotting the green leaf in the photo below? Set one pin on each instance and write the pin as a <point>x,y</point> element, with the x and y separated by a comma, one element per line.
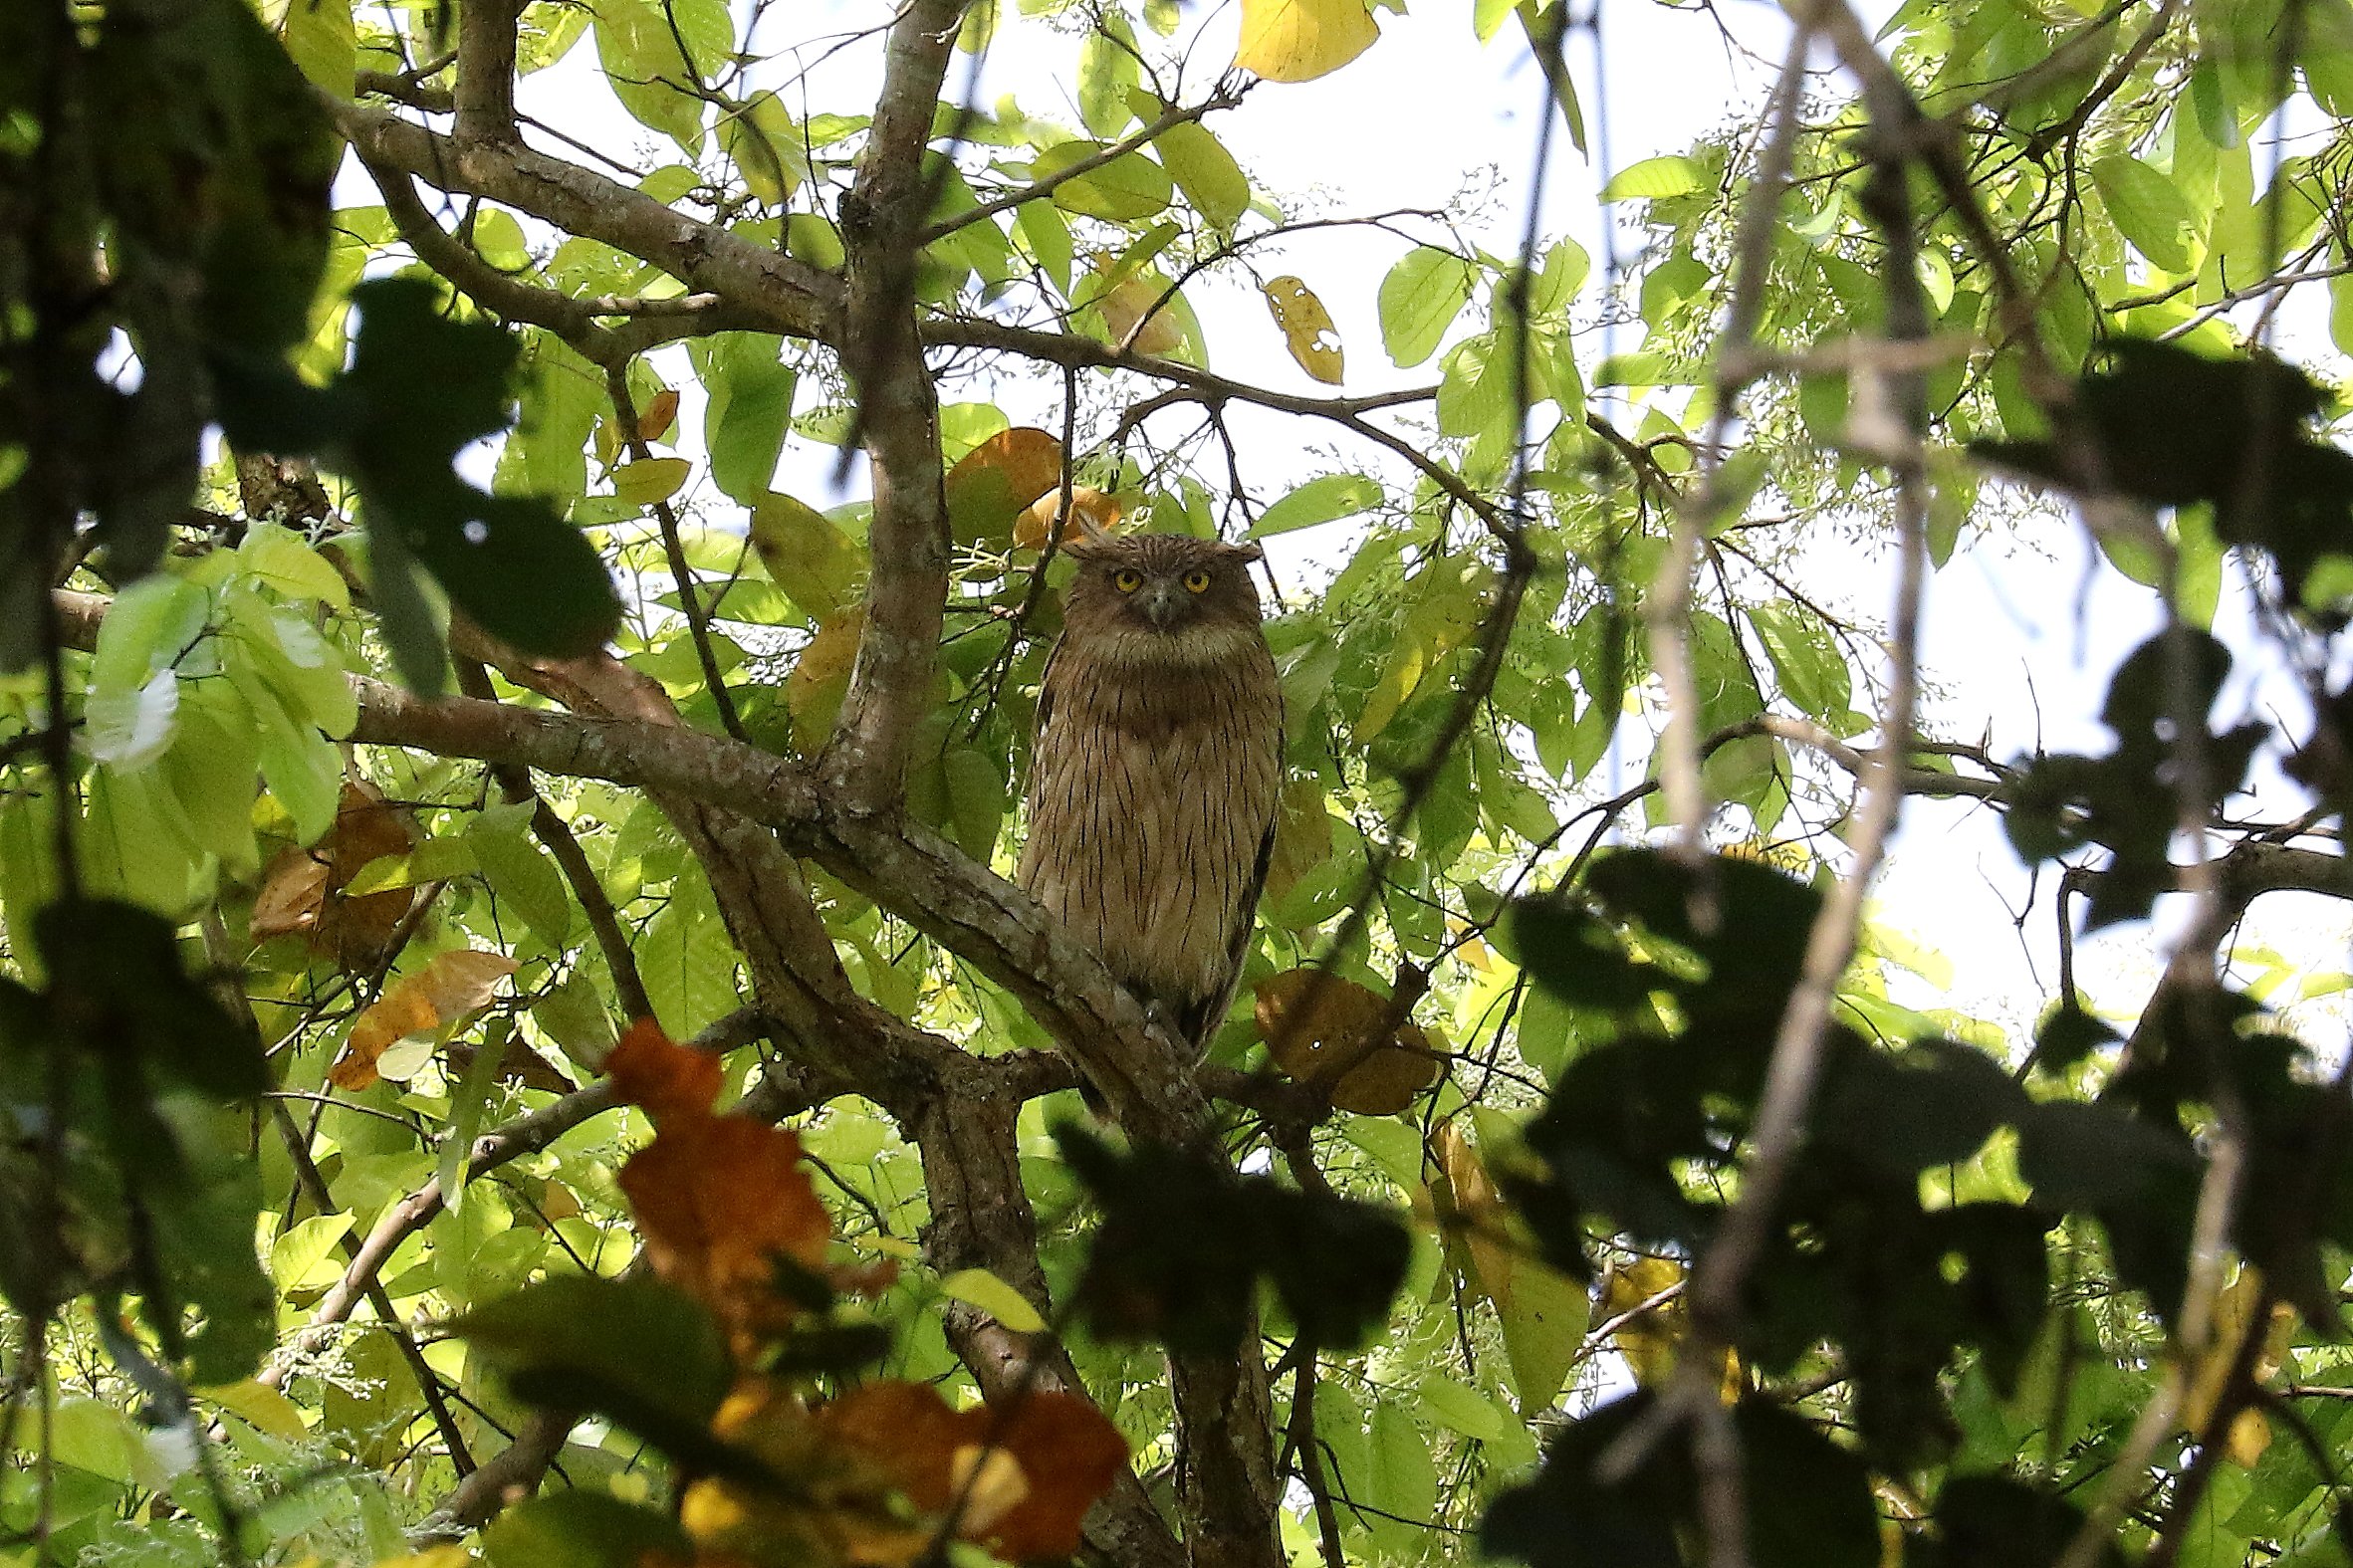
<point>1322,500</point>
<point>321,41</point>
<point>587,1337</point>
<point>1128,189</point>
<point>749,409</point>
<point>767,149</point>
<point>277,555</point>
<point>637,43</point>
<point>1206,172</point>
<point>1108,71</point>
<point>521,873</point>
<point>1653,179</point>
<point>2148,210</point>
<point>583,1529</point>
<point>1805,660</point>
<point>1419,300</point>
<point>297,1255</point>
<point>1401,1483</point>
<point>469,1102</point>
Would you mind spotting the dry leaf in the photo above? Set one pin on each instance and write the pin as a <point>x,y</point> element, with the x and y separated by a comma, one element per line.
<point>1090,508</point>
<point>655,419</point>
<point>448,987</point>
<point>1647,1342</point>
<point>301,890</point>
<point>717,1198</point>
<point>1334,1033</point>
<point>1306,328</point>
<point>668,1080</point>
<point>1065,1454</point>
<point>293,890</point>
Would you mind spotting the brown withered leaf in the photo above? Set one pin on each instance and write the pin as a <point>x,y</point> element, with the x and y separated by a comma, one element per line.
<point>668,1080</point>
<point>719,1198</point>
<point>1090,508</point>
<point>293,890</point>
<point>449,986</point>
<point>1068,1456</point>
<point>1328,1033</point>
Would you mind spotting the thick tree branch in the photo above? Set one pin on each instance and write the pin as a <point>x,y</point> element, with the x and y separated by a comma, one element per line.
<point>897,418</point>
<point>782,293</point>
<point>486,71</point>
<point>981,1218</point>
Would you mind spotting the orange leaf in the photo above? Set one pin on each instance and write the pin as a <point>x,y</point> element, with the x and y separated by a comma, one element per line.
<point>1089,509</point>
<point>448,987</point>
<point>1068,1452</point>
<point>992,483</point>
<point>655,419</point>
<point>719,1198</point>
<point>669,1080</point>
<point>1329,1031</point>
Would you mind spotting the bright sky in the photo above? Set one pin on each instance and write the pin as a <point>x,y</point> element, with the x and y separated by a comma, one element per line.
<point>2019,640</point>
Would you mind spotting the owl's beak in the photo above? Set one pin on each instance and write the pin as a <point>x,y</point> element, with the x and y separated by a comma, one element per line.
<point>1162,603</point>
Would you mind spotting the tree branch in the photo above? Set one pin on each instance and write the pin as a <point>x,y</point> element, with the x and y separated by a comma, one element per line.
<point>882,214</point>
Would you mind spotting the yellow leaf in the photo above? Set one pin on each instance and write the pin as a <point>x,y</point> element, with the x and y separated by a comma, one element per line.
<point>1307,327</point>
<point>820,678</point>
<point>2250,1434</point>
<point>1300,40</point>
<point>1124,305</point>
<point>263,1407</point>
<point>977,1288</point>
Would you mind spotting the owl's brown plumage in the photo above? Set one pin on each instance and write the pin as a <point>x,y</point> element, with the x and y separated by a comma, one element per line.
<point>1156,767</point>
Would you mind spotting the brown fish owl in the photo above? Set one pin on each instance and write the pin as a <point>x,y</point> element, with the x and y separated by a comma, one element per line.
<point>1156,767</point>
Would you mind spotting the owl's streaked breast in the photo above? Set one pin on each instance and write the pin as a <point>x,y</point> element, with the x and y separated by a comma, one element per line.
<point>1151,789</point>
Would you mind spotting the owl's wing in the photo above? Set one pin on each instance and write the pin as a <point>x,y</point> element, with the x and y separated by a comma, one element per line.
<point>1200,1021</point>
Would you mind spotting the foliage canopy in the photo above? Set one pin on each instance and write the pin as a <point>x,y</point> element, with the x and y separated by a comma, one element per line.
<point>513,1041</point>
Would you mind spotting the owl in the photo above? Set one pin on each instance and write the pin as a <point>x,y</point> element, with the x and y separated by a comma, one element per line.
<point>1156,767</point>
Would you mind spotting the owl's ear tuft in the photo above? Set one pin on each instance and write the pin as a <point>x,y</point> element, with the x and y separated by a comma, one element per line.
<point>1246,552</point>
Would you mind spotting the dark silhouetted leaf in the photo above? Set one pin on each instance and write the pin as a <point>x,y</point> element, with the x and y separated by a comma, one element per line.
<point>584,1340</point>
<point>1808,1499</point>
<point>1933,1104</point>
<point>1992,1521</point>
<point>2083,1158</point>
<point>1183,1245</point>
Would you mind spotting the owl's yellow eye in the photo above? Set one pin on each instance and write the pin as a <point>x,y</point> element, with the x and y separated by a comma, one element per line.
<point>1127,579</point>
<point>1196,581</point>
